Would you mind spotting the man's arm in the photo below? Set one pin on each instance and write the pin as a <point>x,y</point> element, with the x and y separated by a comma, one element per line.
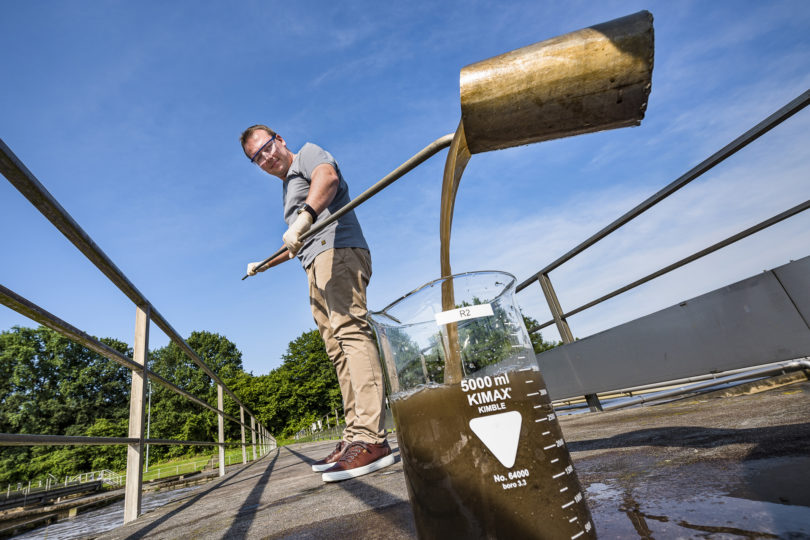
<point>253,268</point>
<point>323,187</point>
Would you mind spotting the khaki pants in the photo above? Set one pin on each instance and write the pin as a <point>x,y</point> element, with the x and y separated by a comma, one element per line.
<point>337,294</point>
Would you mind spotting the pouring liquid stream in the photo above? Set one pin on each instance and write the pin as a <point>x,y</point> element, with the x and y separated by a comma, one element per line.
<point>457,159</point>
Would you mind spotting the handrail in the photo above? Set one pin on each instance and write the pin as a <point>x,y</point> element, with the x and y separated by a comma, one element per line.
<point>27,439</point>
<point>730,149</point>
<point>686,260</point>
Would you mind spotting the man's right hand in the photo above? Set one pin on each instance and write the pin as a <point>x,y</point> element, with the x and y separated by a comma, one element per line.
<point>253,268</point>
<point>292,238</point>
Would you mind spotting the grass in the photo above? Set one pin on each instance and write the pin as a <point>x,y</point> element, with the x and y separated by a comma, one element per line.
<point>191,464</point>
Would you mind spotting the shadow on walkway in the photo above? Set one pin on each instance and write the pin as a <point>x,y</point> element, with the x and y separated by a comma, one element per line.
<point>144,532</point>
<point>247,512</point>
<point>386,509</point>
<point>792,439</point>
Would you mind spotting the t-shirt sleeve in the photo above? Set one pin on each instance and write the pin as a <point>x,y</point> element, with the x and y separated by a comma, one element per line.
<point>313,155</point>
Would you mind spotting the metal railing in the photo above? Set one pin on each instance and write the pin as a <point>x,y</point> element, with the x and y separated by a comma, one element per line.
<point>663,390</point>
<point>330,427</point>
<point>107,476</point>
<point>25,182</point>
<point>51,482</point>
<point>560,317</point>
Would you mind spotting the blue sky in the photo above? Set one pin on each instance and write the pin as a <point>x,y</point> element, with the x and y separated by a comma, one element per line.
<point>130,112</point>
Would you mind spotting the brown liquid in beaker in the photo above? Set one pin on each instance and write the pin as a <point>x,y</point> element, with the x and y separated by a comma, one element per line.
<point>460,489</point>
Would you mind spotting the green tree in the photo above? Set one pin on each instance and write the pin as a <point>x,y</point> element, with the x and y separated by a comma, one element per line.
<point>308,387</point>
<point>174,416</point>
<point>538,343</point>
<point>301,390</point>
<point>52,386</point>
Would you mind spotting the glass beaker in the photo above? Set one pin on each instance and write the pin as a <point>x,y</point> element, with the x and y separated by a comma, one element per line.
<point>483,454</point>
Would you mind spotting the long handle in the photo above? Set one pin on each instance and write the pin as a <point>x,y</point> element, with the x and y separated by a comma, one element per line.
<point>399,172</point>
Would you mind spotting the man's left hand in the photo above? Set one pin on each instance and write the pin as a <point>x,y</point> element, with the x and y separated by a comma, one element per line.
<point>292,238</point>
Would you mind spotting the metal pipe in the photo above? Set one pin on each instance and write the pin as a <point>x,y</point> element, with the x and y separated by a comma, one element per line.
<point>174,442</point>
<point>793,365</point>
<point>14,439</point>
<point>699,378</point>
<point>662,385</point>
<point>390,178</point>
<point>711,249</point>
<point>730,149</point>
<point>589,80</point>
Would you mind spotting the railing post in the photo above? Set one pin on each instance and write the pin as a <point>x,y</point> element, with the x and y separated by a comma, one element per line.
<point>148,421</point>
<point>221,417</point>
<point>242,425</point>
<point>563,328</point>
<point>253,434</point>
<point>132,494</point>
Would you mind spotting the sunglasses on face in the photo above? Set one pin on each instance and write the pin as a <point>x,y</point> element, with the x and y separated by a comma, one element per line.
<point>263,152</point>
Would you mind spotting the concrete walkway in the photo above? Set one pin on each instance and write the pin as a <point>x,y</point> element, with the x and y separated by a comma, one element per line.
<point>725,466</point>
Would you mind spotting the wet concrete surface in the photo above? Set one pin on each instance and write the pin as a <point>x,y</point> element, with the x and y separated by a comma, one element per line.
<point>717,466</point>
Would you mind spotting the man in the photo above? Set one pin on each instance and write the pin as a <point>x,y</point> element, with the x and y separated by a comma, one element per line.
<point>338,266</point>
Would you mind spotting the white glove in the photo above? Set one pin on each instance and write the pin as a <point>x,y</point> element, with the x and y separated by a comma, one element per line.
<point>292,238</point>
<point>252,268</point>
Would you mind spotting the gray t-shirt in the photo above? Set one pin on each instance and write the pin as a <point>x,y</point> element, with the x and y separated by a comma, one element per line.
<point>345,232</point>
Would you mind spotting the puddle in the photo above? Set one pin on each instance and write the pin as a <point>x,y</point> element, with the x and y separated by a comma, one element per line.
<point>96,522</point>
<point>621,514</point>
<point>778,480</point>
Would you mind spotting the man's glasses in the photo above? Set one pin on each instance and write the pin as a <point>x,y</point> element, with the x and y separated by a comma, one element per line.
<point>263,151</point>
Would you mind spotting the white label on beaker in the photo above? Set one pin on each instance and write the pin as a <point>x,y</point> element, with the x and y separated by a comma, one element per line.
<point>501,434</point>
<point>462,313</point>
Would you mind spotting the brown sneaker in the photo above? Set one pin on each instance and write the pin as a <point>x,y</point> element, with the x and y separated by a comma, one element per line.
<point>359,458</point>
<point>329,461</point>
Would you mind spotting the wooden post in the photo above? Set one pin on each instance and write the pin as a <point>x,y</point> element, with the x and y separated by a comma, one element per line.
<point>132,494</point>
<point>221,417</point>
<point>253,435</point>
<point>242,419</point>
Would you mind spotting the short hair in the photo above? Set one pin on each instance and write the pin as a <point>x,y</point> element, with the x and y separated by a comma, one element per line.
<point>249,131</point>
